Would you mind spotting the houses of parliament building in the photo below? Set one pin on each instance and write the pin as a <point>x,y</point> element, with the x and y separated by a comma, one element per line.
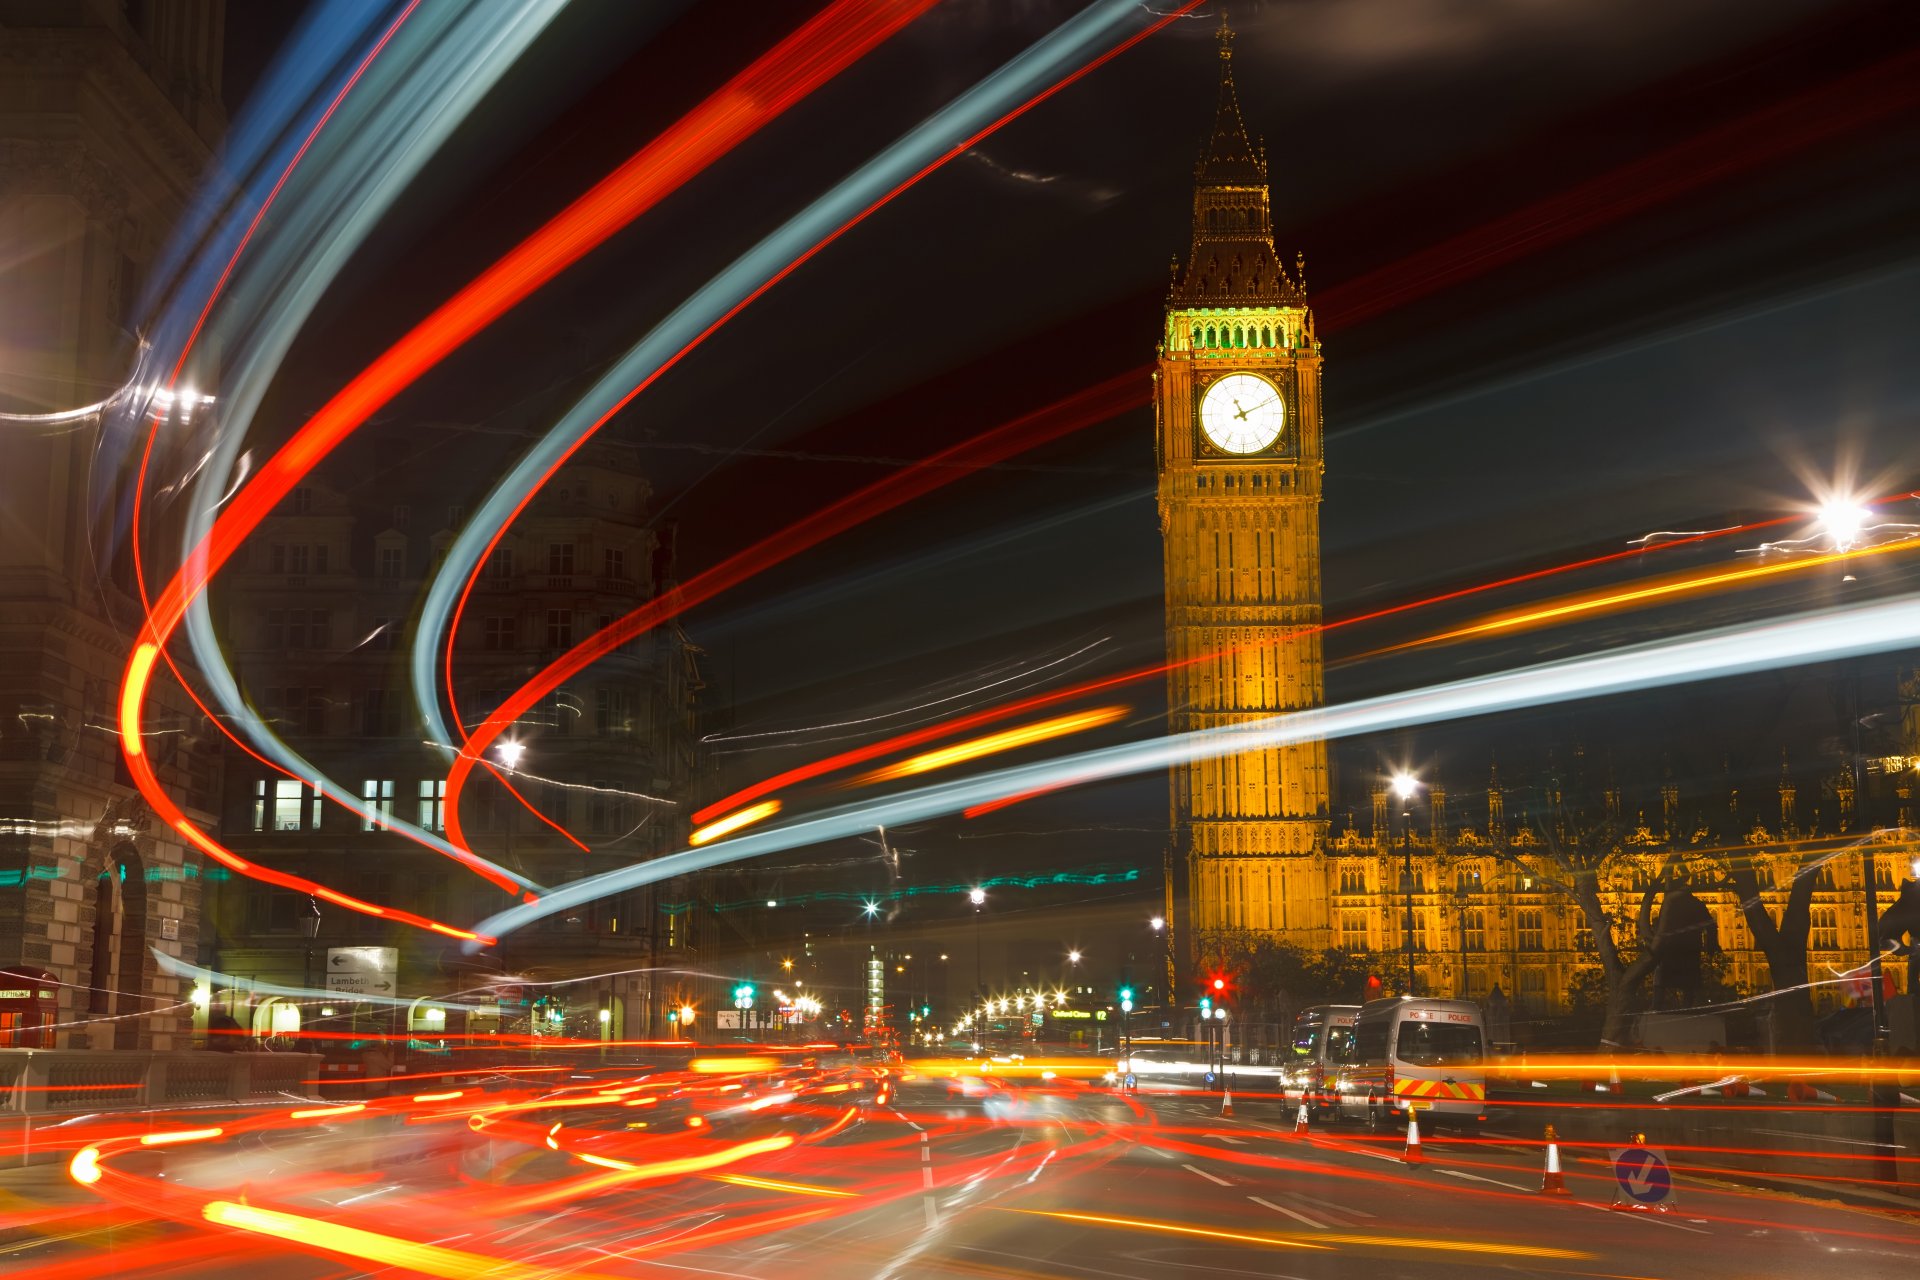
<point>1256,850</point>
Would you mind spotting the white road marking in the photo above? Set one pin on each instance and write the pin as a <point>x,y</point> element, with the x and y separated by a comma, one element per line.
<point>1331,1207</point>
<point>1280,1208</point>
<point>933,1214</point>
<point>926,1176</point>
<point>1209,1177</point>
<point>1227,1137</point>
<point>1474,1177</point>
<point>1657,1218</point>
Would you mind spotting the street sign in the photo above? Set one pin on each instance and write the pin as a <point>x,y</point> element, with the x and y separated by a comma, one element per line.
<point>363,971</point>
<point>1642,1177</point>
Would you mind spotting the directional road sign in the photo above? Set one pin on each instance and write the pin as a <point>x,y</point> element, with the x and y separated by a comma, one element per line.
<point>363,971</point>
<point>1643,1178</point>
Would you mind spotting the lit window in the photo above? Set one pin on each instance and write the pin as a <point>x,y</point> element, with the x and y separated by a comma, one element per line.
<point>433,800</point>
<point>378,796</point>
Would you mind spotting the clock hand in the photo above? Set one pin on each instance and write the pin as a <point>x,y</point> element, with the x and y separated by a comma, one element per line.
<point>1239,412</point>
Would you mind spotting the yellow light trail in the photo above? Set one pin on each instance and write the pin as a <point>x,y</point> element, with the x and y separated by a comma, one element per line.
<point>734,821</point>
<point>178,1135</point>
<point>361,1245</point>
<point>1006,740</point>
<point>773,1184</point>
<point>316,1112</point>
<point>1661,588</point>
<point>1319,1240</point>
<point>689,1164</point>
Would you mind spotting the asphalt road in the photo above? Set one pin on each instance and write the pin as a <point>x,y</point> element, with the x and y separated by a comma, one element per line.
<point>1019,1183</point>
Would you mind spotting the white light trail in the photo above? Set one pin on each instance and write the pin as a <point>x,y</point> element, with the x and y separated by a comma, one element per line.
<point>1835,633</point>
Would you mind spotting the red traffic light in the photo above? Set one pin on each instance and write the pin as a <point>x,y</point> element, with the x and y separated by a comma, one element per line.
<point>1219,984</point>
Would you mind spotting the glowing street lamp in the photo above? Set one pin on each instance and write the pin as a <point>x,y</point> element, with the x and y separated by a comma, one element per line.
<point>510,753</point>
<point>870,908</point>
<point>1157,923</point>
<point>1843,521</point>
<point>1405,785</point>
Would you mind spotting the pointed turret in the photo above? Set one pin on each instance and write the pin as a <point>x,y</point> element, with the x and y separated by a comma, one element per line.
<point>1233,263</point>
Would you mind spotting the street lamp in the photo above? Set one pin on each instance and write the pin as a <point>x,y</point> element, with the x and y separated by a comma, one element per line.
<point>1843,520</point>
<point>510,753</point>
<point>1405,785</point>
<point>310,926</point>
<point>978,897</point>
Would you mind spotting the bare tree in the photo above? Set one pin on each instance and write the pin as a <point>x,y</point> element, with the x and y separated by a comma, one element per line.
<point>1578,856</point>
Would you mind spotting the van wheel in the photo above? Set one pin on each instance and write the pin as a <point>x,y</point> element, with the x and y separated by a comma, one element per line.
<point>1375,1122</point>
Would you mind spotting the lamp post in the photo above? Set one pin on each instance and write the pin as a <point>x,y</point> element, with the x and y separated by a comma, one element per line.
<point>1843,521</point>
<point>979,899</point>
<point>310,926</point>
<point>1404,786</point>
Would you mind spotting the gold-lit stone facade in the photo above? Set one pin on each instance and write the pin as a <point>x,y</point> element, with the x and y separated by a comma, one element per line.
<point>1242,548</point>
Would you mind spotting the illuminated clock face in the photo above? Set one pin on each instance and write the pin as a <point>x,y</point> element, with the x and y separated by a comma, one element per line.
<point>1242,413</point>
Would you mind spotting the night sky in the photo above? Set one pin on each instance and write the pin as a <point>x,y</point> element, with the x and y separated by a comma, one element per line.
<point>1582,269</point>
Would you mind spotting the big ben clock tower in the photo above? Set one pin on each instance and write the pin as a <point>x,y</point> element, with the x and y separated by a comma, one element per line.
<point>1237,419</point>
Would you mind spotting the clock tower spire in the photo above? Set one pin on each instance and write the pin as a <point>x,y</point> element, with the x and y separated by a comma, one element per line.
<point>1237,419</point>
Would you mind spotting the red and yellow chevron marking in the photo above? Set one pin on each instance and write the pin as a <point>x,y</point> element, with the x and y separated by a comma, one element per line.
<point>1462,1090</point>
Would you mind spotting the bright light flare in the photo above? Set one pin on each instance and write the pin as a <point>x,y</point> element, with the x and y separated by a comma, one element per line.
<point>732,1066</point>
<point>733,822</point>
<point>1405,785</point>
<point>84,1168</point>
<point>994,743</point>
<point>177,1136</point>
<point>367,1246</point>
<point>1843,521</point>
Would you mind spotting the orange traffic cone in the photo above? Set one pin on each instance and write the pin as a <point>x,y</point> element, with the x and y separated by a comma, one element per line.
<point>1226,1103</point>
<point>1553,1182</point>
<point>1300,1121</point>
<point>1413,1155</point>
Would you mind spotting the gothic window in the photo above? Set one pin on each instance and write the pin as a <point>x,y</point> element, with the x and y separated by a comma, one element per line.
<point>1266,336</point>
<point>1239,338</point>
<point>1210,336</point>
<point>1199,336</point>
<point>1825,932</point>
<point>1532,937</point>
<point>1474,924</point>
<point>1353,878</point>
<point>1353,930</point>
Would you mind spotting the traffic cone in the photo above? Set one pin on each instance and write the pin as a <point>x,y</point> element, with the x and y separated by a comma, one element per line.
<point>1226,1103</point>
<point>1553,1182</point>
<point>1300,1121</point>
<point>1413,1155</point>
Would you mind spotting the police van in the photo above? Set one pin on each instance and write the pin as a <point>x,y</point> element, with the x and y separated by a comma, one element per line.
<point>1415,1056</point>
<point>1322,1040</point>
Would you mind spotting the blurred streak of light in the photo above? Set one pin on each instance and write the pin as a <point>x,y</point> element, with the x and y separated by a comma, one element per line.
<point>177,1136</point>
<point>732,1066</point>
<point>734,822</point>
<point>425,102</point>
<point>834,38</point>
<point>1837,633</point>
<point>179,968</point>
<point>1024,673</point>
<point>1714,155</point>
<point>1321,1240</point>
<point>774,1184</point>
<point>994,743</point>
<point>361,1245</point>
<point>858,755</point>
<point>1672,586</point>
<point>1066,53</point>
<point>84,1168</point>
<point>1006,802</point>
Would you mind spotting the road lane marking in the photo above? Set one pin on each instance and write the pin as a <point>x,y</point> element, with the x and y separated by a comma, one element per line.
<point>926,1175</point>
<point>1280,1208</point>
<point>933,1214</point>
<point>1227,1137</point>
<point>1209,1177</point>
<point>1474,1177</point>
<point>1331,1207</point>
<point>1656,1218</point>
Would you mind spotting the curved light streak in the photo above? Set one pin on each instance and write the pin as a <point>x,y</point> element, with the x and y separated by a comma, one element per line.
<point>419,105</point>
<point>819,49</point>
<point>1053,62</point>
<point>1836,633</point>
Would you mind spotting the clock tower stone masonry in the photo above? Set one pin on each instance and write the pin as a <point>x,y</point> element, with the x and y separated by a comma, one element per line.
<point>1238,444</point>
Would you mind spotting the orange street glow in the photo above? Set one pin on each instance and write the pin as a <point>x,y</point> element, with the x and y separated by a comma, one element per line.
<point>993,743</point>
<point>368,1246</point>
<point>314,1113</point>
<point>730,1066</point>
<point>690,1164</point>
<point>734,821</point>
<point>1499,1248</point>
